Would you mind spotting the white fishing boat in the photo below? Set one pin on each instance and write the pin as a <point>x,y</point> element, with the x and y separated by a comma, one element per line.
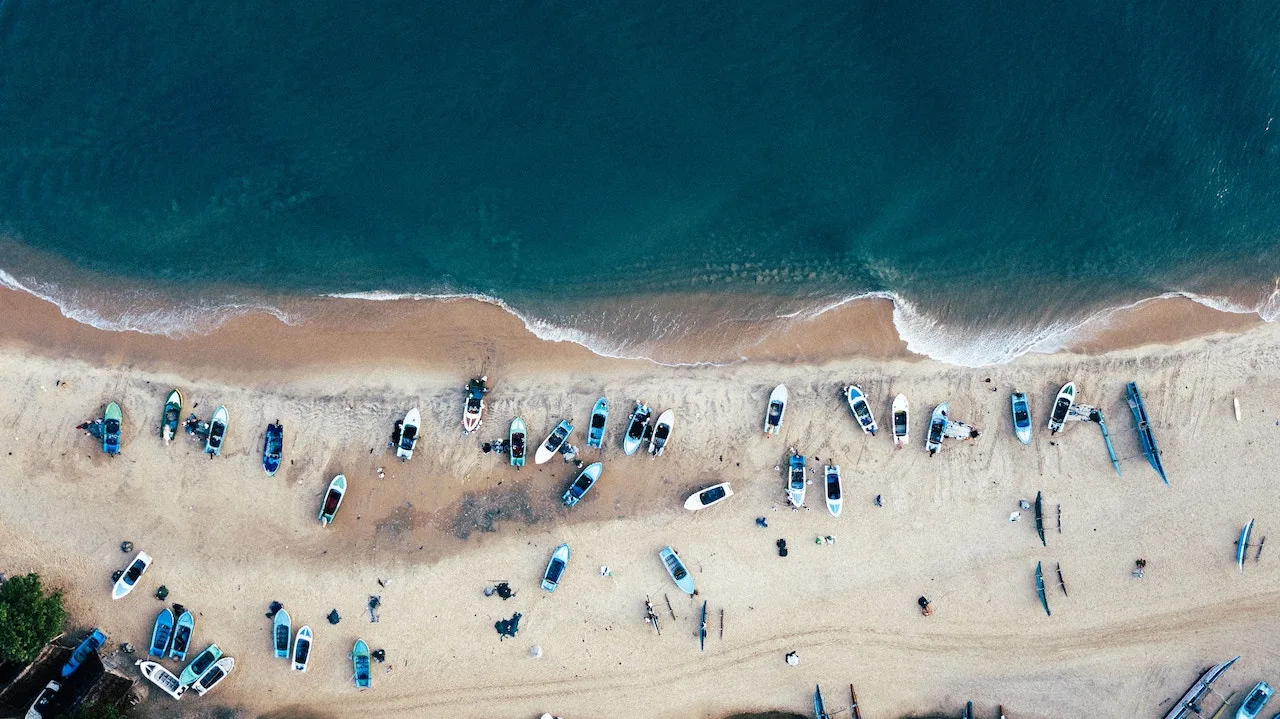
<point>708,497</point>
<point>408,435</point>
<point>901,421</point>
<point>162,678</point>
<point>861,410</point>
<point>777,408</point>
<point>835,493</point>
<point>214,675</point>
<point>128,580</point>
<point>1061,405</point>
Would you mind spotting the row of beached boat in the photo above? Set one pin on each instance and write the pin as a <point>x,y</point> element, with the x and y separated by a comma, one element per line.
<point>671,561</point>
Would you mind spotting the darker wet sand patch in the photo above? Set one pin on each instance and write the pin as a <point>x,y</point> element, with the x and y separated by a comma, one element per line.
<point>481,512</point>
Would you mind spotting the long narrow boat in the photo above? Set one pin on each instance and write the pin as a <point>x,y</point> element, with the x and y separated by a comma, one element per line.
<point>515,439</point>
<point>1184,707</point>
<point>1040,590</point>
<point>937,428</point>
<point>554,442</point>
<point>112,422</point>
<point>702,631</point>
<point>599,418</point>
<point>182,631</point>
<point>1061,405</point>
<point>162,678</point>
<point>795,480</point>
<point>1143,423</point>
<point>835,492</point>
<point>853,706</point>
<point>302,649</point>
<point>819,706</point>
<point>360,662</point>
<point>1242,545</point>
<point>171,417</point>
<point>333,499</point>
<point>901,421</point>
<point>1040,518</point>
<point>777,408</point>
<point>861,410</point>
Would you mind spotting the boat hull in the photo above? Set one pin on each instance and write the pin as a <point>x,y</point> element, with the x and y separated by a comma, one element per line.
<point>599,418</point>
<point>553,442</point>
<point>835,490</point>
<point>901,421</point>
<point>1061,406</point>
<point>861,410</point>
<point>333,499</point>
<point>937,428</point>
<point>409,429</point>
<point>1020,410</point>
<point>662,432</point>
<point>708,497</point>
<point>776,410</point>
<point>516,438</point>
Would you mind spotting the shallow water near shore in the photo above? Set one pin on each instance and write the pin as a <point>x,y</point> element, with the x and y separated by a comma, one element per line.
<point>1001,175</point>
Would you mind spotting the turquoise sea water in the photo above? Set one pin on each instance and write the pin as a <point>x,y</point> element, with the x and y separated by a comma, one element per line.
<point>1001,171</point>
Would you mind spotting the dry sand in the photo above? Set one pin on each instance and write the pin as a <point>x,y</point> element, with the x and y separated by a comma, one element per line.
<point>228,540</point>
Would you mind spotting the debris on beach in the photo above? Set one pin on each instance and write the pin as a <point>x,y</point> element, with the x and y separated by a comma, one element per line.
<point>508,627</point>
<point>793,659</point>
<point>274,608</point>
<point>375,601</point>
<point>334,617</point>
<point>379,655</point>
<point>535,651</point>
<point>782,547</point>
<point>126,547</point>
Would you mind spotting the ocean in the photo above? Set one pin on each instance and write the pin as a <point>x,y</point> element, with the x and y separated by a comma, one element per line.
<point>622,174</point>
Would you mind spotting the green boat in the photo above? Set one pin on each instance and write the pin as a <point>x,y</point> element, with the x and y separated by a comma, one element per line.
<point>112,424</point>
<point>360,661</point>
<point>172,416</point>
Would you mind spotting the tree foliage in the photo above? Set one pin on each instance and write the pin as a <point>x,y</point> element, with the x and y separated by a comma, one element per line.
<point>98,710</point>
<point>29,618</point>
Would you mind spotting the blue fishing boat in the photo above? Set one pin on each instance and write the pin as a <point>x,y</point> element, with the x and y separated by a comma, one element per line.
<point>111,425</point>
<point>90,645</point>
<point>599,418</point>
<point>584,482</point>
<point>182,636</point>
<point>555,568</point>
<point>360,662</point>
<point>1021,417</point>
<point>1253,703</point>
<point>273,448</point>
<point>161,633</point>
<point>675,568</point>
<point>281,634</point>
<point>1143,423</point>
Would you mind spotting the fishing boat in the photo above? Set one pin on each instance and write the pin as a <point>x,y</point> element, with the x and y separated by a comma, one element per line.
<point>515,442</point>
<point>333,499</point>
<point>408,434</point>
<point>1242,545</point>
<point>203,661</point>
<point>302,649</point>
<point>273,448</point>
<point>217,431</point>
<point>795,480</point>
<point>182,631</point>
<point>88,646</point>
<point>636,428</point>
<point>161,634</point>
<point>214,675</point>
<point>1190,701</point>
<point>901,421</point>
<point>43,700</point>
<point>128,580</point>
<point>599,418</point>
<point>1040,518</point>
<point>819,706</point>
<point>968,710</point>
<point>777,408</point>
<point>112,422</point>
<point>676,569</point>
<point>1143,423</point>
<point>861,410</point>
<point>360,662</point>
<point>1040,590</point>
<point>712,495</point>
<point>1061,406</point>
<point>172,416</point>
<point>554,442</point>
<point>555,568</point>
<point>702,630</point>
<point>937,428</point>
<point>834,494</point>
<point>162,678</point>
<point>662,432</point>
<point>585,480</point>
<point>473,408</point>
<point>281,633</point>
<point>1021,417</point>
<point>1255,700</point>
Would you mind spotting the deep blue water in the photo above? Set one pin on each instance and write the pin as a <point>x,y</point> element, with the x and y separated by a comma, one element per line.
<point>997,166</point>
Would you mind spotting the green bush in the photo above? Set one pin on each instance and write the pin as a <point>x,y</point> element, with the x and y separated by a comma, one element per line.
<point>29,618</point>
<point>97,710</point>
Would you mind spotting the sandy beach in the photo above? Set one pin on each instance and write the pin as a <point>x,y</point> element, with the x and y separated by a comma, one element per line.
<point>228,540</point>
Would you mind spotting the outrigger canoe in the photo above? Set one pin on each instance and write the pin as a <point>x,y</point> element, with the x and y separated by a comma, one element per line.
<point>1040,590</point>
<point>91,644</point>
<point>676,569</point>
<point>1242,545</point>
<point>302,649</point>
<point>582,484</point>
<point>937,428</point>
<point>1143,424</point>
<point>776,410</point>
<point>819,706</point>
<point>704,498</point>
<point>1062,405</point>
<point>281,633</point>
<point>182,631</point>
<point>599,418</point>
<point>408,434</point>
<point>515,438</point>
<point>636,427</point>
<point>861,410</point>
<point>1021,412</point>
<point>217,431</point>
<point>1040,517</point>
<point>333,499</point>
<point>835,496</point>
<point>554,442</point>
<point>555,568</point>
<point>214,675</point>
<point>795,480</point>
<point>273,448</point>
<point>203,661</point>
<point>1190,701</point>
<point>128,580</point>
<point>162,678</point>
<point>901,421</point>
<point>662,432</point>
<point>473,408</point>
<point>172,416</point>
<point>360,662</point>
<point>112,424</point>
